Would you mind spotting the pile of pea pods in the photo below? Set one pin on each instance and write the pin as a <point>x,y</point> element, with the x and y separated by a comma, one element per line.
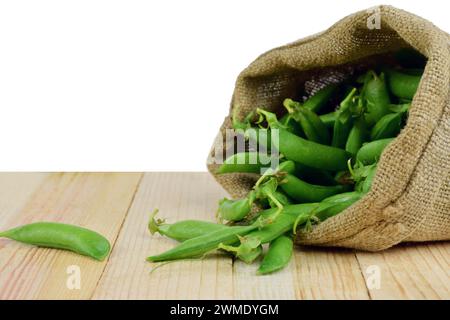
<point>327,159</point>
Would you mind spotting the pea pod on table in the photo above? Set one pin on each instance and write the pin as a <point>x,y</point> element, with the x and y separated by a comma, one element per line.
<point>61,236</point>
<point>278,255</point>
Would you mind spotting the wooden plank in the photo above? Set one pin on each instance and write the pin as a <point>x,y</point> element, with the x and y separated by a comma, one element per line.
<point>328,273</point>
<point>98,201</point>
<point>128,275</point>
<point>415,271</point>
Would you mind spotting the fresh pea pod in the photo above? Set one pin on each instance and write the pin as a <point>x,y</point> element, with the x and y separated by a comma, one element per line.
<point>61,236</point>
<point>317,101</point>
<point>249,162</point>
<point>371,151</point>
<point>328,119</point>
<point>314,129</point>
<point>365,183</point>
<point>387,127</point>
<point>281,197</point>
<point>278,255</point>
<point>303,151</point>
<point>302,191</point>
<point>376,97</point>
<point>402,85</point>
<point>310,153</point>
<point>183,230</point>
<point>357,136</point>
<point>199,246</point>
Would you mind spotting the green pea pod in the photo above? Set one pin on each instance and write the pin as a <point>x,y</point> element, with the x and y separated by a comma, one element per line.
<point>402,108</point>
<point>183,230</point>
<point>278,255</point>
<point>344,121</point>
<point>61,236</point>
<point>376,97</point>
<point>310,122</point>
<point>303,151</point>
<point>371,151</point>
<point>317,101</point>
<point>328,119</point>
<point>248,162</point>
<point>201,245</point>
<point>357,136</point>
<point>387,127</point>
<point>310,153</point>
<point>402,85</point>
<point>302,191</point>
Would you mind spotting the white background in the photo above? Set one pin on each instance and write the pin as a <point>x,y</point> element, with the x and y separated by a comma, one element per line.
<point>139,85</point>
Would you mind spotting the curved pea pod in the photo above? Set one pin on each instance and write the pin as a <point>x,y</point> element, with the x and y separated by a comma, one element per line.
<point>278,255</point>
<point>402,85</point>
<point>183,230</point>
<point>371,151</point>
<point>199,246</point>
<point>328,209</point>
<point>302,191</point>
<point>357,136</point>
<point>314,129</point>
<point>328,119</point>
<point>61,236</point>
<point>246,162</point>
<point>311,153</point>
<point>376,97</point>
<point>387,127</point>
<point>317,101</point>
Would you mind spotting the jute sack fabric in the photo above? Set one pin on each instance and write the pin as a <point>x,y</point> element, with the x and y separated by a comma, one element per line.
<point>410,195</point>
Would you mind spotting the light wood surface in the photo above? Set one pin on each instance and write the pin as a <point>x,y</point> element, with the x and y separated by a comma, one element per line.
<point>118,206</point>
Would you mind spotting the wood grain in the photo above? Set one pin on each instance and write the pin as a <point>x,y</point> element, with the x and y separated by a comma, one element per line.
<point>98,201</point>
<point>414,271</point>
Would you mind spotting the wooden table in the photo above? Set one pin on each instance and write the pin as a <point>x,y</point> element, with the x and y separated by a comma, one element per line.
<point>118,206</point>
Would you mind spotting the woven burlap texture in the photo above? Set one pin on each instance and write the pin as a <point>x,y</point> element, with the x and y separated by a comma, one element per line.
<point>410,195</point>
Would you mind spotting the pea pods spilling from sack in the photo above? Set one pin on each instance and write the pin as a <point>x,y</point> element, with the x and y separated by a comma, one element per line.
<point>327,158</point>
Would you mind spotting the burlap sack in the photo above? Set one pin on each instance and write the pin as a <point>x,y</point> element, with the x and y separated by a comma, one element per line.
<point>410,195</point>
